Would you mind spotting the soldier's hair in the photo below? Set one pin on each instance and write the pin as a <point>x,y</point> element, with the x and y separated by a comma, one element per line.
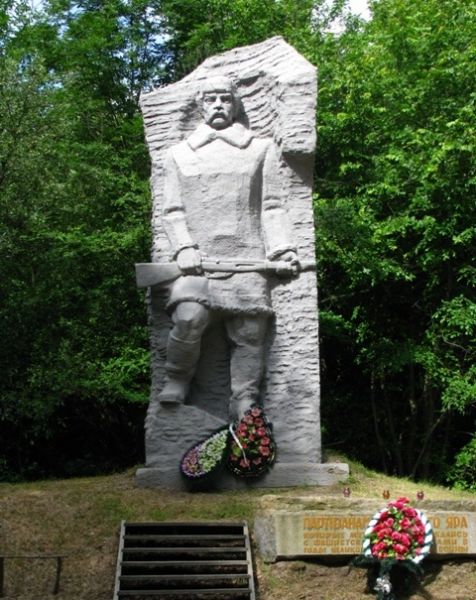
<point>220,83</point>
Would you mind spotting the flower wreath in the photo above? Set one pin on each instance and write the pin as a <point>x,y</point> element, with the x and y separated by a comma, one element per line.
<point>252,447</point>
<point>397,538</point>
<point>201,461</point>
<point>398,531</point>
<point>247,446</point>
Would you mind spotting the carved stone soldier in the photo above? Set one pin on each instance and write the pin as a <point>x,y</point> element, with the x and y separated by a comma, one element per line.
<point>232,204</point>
<point>222,200</point>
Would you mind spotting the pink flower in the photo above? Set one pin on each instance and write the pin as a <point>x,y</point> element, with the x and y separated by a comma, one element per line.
<point>265,441</point>
<point>244,463</point>
<point>248,419</point>
<point>417,530</point>
<point>242,429</point>
<point>389,522</point>
<point>264,450</point>
<point>261,431</point>
<point>259,422</point>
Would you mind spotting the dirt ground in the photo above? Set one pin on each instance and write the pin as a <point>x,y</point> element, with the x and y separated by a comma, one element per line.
<point>92,579</point>
<point>314,581</point>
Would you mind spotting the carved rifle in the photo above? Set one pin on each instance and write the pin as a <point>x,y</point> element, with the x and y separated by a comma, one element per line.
<point>149,274</point>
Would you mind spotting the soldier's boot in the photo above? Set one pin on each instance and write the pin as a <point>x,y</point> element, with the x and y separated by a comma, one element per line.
<point>182,358</point>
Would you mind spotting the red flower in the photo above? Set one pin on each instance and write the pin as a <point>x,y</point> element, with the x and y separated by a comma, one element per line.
<point>242,429</point>
<point>380,546</point>
<point>384,533</point>
<point>259,422</point>
<point>399,503</point>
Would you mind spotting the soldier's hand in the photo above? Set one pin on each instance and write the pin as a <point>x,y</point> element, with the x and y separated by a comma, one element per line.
<point>189,261</point>
<point>289,264</point>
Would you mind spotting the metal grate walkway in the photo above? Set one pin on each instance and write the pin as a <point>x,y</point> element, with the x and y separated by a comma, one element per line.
<point>184,560</point>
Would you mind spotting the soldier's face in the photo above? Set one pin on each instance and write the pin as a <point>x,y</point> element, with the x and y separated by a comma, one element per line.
<point>218,107</point>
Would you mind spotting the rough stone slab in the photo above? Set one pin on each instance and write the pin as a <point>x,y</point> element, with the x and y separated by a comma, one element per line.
<point>281,475</point>
<point>180,427</point>
<point>334,529</point>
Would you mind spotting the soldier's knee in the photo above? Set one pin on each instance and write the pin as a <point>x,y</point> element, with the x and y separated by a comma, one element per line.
<point>248,330</point>
<point>190,320</point>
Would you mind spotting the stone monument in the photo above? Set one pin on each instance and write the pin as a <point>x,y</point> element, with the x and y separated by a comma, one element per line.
<point>232,292</point>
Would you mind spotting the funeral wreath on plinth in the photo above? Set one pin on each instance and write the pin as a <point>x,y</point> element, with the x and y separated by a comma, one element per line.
<point>396,540</point>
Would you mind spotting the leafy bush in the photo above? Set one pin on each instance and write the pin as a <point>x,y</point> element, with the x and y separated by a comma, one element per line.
<point>463,473</point>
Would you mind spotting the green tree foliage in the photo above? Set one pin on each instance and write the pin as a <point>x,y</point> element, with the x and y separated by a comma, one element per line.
<point>395,218</point>
<point>211,26</point>
<point>75,203</point>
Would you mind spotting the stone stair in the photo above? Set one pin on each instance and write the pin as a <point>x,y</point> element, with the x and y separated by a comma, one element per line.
<point>209,560</point>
